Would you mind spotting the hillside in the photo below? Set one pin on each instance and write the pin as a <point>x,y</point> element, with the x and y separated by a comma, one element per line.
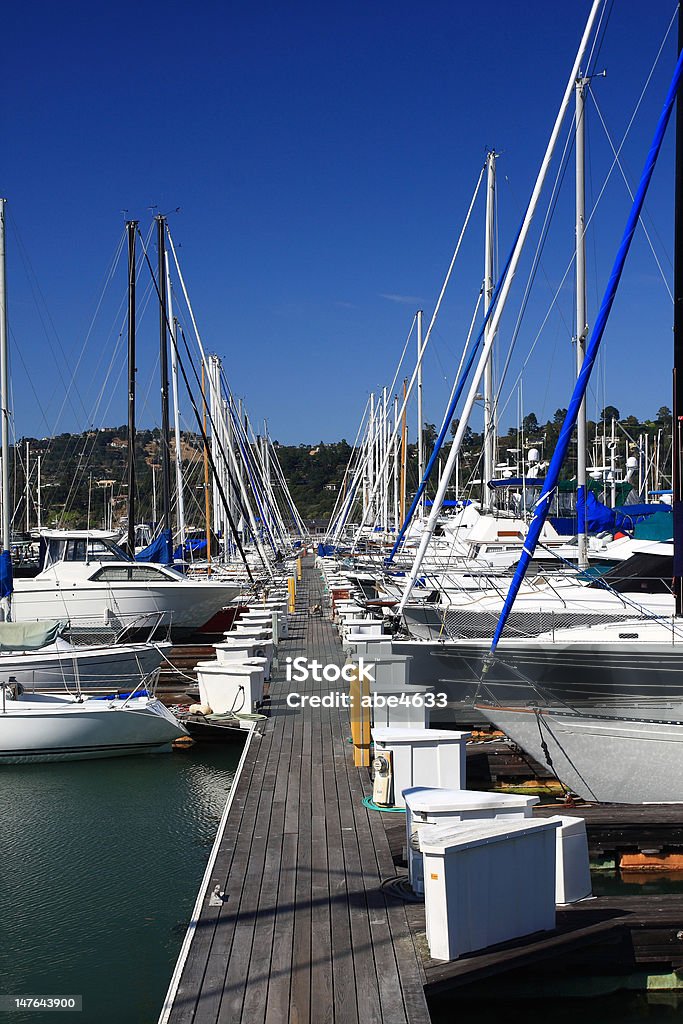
<point>83,476</point>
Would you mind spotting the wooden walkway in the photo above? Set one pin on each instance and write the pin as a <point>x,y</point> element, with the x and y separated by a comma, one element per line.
<point>302,933</point>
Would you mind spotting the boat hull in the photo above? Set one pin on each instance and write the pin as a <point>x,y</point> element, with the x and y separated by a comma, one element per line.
<point>102,669</point>
<point>43,731</point>
<point>100,608</point>
<point>602,758</point>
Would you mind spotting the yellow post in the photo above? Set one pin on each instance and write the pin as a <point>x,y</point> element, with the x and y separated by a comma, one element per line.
<point>359,694</point>
<point>291,592</point>
<point>299,568</point>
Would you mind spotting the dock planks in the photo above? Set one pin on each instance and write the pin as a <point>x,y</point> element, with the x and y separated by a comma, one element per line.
<point>304,934</point>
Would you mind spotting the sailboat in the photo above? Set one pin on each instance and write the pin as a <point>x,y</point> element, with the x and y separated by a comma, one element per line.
<point>632,753</point>
<point>56,728</point>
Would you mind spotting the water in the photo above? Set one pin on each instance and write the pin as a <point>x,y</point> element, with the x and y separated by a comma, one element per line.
<point>100,864</point>
<point>596,1004</point>
<point>619,1008</point>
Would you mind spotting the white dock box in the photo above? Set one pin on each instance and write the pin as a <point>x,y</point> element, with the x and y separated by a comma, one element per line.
<point>231,687</point>
<point>265,620</point>
<point>366,627</point>
<point>238,649</point>
<point>573,877</point>
<point>427,806</point>
<point>350,640</point>
<point>487,882</point>
<point>422,757</point>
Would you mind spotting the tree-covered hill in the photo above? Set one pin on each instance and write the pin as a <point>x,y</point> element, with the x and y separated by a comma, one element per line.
<point>83,476</point>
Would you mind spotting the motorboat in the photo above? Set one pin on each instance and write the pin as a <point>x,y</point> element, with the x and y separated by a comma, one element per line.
<point>88,579</point>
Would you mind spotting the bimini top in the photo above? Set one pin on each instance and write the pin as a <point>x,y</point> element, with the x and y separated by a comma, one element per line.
<point>79,534</point>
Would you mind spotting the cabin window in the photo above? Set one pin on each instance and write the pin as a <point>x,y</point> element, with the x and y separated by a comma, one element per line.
<point>84,549</point>
<point>132,573</point>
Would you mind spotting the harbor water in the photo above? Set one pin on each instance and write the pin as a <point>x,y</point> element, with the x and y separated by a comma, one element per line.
<point>100,864</point>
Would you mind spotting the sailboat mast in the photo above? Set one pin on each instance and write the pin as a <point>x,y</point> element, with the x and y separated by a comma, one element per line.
<point>581,325</point>
<point>207,492</point>
<point>676,446</point>
<point>420,414</point>
<point>163,367</point>
<point>4,385</point>
<point>489,410</point>
<point>404,448</point>
<point>131,228</point>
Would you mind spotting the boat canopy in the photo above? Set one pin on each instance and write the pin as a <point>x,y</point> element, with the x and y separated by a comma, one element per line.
<point>30,636</point>
<point>644,572</point>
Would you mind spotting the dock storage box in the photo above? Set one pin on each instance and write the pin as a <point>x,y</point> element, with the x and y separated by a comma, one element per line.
<point>423,757</point>
<point>426,806</point>
<point>236,649</point>
<point>573,877</point>
<point>396,702</point>
<point>487,882</point>
<point>233,686</point>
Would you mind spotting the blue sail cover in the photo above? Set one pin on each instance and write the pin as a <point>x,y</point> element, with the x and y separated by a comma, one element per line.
<point>5,574</point>
<point>553,473</point>
<point>195,547</point>
<point>599,518</point>
<point>160,550</point>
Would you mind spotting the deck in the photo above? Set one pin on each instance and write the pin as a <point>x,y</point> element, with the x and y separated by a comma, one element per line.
<point>291,924</point>
<point>303,932</point>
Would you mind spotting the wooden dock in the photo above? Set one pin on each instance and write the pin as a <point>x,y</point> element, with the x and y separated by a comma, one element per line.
<point>303,933</point>
<point>291,924</point>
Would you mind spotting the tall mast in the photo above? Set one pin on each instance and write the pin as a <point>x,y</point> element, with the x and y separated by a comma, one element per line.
<point>163,367</point>
<point>420,421</point>
<point>404,447</point>
<point>39,507</point>
<point>131,228</point>
<point>176,431</point>
<point>489,398</point>
<point>4,385</point>
<point>677,475</point>
<point>207,492</point>
<point>28,487</point>
<point>581,325</point>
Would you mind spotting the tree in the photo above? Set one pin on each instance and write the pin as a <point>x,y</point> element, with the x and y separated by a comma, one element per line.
<point>664,415</point>
<point>610,412</point>
<point>558,418</point>
<point>429,435</point>
<point>530,423</point>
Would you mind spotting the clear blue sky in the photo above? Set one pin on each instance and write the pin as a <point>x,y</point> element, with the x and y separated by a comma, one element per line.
<point>323,157</point>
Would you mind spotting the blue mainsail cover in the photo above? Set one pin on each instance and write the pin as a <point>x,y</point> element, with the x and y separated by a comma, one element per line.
<point>193,546</point>
<point>5,574</point>
<point>160,550</point>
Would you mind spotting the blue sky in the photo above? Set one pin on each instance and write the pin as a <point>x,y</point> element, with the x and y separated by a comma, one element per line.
<point>323,158</point>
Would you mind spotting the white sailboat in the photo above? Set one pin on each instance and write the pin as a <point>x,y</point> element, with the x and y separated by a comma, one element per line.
<point>52,728</point>
<point>632,753</point>
<point>44,728</point>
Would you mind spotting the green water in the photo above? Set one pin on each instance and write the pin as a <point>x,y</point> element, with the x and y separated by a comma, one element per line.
<point>100,864</point>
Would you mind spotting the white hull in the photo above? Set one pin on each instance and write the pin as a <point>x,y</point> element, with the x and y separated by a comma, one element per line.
<point>186,604</point>
<point>104,669</point>
<point>601,757</point>
<point>56,730</point>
